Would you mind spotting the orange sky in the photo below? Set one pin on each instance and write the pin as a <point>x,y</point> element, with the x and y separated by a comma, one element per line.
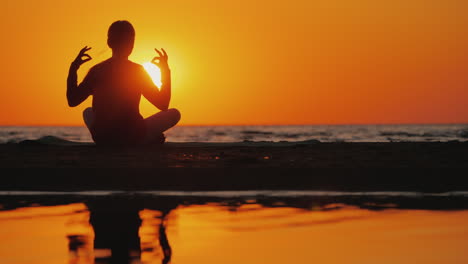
<point>250,62</point>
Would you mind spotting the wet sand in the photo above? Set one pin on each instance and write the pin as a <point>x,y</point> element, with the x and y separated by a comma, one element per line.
<point>51,164</point>
<point>251,232</point>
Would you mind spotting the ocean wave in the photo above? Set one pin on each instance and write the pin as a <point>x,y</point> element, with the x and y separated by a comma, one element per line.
<point>253,132</point>
<point>399,134</point>
<point>324,133</point>
<point>433,134</point>
<point>463,133</point>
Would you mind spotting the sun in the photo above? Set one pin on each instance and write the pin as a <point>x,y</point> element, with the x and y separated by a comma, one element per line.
<point>154,72</point>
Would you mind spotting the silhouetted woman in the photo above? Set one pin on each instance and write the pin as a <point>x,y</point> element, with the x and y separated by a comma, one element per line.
<point>116,85</point>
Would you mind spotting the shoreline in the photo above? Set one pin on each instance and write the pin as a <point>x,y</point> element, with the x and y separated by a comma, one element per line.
<point>309,165</point>
<point>323,201</point>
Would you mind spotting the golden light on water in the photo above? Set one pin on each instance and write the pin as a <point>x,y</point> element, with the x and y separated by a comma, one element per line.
<point>154,72</point>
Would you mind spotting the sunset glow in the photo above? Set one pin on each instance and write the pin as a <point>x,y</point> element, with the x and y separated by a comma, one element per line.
<point>154,72</point>
<point>268,62</point>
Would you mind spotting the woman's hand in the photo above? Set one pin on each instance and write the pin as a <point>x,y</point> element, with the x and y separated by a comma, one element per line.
<point>161,61</point>
<point>82,57</point>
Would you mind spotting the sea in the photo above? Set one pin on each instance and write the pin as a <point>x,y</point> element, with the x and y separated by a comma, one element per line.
<point>271,133</point>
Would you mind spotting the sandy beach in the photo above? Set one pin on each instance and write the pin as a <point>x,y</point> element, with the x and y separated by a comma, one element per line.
<point>50,163</point>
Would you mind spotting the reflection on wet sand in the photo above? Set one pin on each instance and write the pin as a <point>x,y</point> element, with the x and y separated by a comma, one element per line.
<point>120,236</point>
<point>149,229</point>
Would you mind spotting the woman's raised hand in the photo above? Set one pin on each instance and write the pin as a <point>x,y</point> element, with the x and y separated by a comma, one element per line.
<point>161,61</point>
<point>82,57</point>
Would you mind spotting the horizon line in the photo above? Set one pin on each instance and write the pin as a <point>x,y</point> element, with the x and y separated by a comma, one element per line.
<point>208,125</point>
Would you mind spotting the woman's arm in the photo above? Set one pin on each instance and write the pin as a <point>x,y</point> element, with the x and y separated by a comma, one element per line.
<point>159,98</point>
<point>76,94</point>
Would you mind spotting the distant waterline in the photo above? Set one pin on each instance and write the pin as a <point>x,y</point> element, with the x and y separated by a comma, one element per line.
<point>323,133</point>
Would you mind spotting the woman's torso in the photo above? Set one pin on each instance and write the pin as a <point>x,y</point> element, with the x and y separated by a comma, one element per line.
<point>116,99</point>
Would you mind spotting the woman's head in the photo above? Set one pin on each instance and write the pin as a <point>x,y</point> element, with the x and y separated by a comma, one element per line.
<point>121,37</point>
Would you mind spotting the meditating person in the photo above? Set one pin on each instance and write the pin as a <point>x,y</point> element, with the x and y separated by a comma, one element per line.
<point>116,85</point>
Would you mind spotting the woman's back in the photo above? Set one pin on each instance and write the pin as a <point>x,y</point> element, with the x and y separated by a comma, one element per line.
<point>116,99</point>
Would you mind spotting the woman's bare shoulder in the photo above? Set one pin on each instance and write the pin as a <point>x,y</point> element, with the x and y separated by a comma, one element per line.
<point>137,66</point>
<point>99,66</point>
